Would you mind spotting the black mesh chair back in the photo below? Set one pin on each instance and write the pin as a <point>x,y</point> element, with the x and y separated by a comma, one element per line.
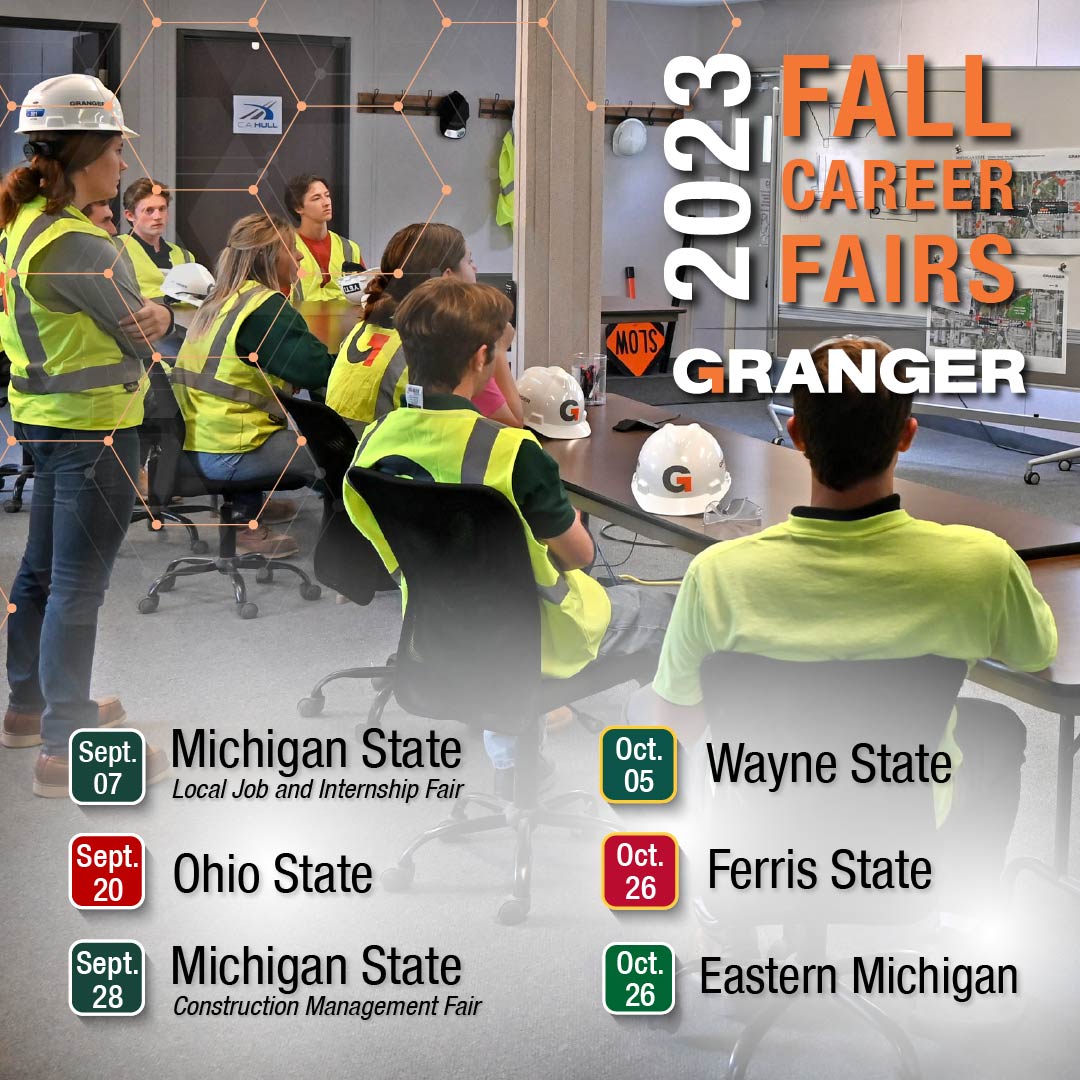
<point>470,642</point>
<point>845,709</point>
<point>344,560</point>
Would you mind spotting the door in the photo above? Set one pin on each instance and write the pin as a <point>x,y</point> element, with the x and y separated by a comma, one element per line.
<point>32,50</point>
<point>215,164</point>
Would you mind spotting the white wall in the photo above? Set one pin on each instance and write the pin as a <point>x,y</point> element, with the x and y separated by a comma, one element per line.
<point>641,39</point>
<point>391,183</point>
<point>1006,32</point>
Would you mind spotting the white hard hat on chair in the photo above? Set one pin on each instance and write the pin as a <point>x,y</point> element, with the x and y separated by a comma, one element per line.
<point>553,403</point>
<point>680,471</point>
<point>190,283</point>
<point>71,103</point>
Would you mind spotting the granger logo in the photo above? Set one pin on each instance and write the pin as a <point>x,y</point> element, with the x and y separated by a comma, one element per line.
<point>677,479</point>
<point>570,411</point>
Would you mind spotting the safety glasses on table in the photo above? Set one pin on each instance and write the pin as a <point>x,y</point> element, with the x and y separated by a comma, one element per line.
<point>732,508</point>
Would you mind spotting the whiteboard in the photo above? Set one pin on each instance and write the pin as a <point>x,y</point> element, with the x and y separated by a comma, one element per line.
<point>1043,106</point>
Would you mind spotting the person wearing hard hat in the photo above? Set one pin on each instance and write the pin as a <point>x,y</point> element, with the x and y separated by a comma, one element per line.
<point>852,576</point>
<point>146,209</point>
<point>246,344</point>
<point>76,343</point>
<point>451,333</point>
<point>323,253</point>
<point>370,373</point>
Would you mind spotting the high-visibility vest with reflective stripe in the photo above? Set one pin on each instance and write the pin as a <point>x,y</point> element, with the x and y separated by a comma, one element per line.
<point>310,286</point>
<point>461,447</point>
<point>369,376</point>
<point>229,403</point>
<point>504,204</point>
<point>66,371</point>
<point>148,274</point>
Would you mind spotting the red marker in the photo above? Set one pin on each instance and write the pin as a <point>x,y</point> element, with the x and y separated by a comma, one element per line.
<point>631,284</point>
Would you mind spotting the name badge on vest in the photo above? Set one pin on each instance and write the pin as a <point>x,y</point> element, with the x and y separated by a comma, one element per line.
<point>414,396</point>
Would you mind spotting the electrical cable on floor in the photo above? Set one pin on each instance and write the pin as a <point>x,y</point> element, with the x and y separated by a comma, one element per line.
<point>647,581</point>
<point>634,540</point>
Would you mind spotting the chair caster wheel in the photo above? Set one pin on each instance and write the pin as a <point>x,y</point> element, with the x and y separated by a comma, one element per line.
<point>778,441</point>
<point>199,547</point>
<point>310,592</point>
<point>148,604</point>
<point>310,706</point>
<point>166,584</point>
<point>248,610</point>
<point>513,911</point>
<point>1031,478</point>
<point>1065,466</point>
<point>264,575</point>
<point>397,878</point>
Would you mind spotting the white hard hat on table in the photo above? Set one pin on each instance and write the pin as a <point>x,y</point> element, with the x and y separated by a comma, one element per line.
<point>189,283</point>
<point>71,103</point>
<point>680,471</point>
<point>553,403</point>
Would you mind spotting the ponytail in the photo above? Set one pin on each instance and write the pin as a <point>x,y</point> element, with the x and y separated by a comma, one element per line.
<point>420,252</point>
<point>52,160</point>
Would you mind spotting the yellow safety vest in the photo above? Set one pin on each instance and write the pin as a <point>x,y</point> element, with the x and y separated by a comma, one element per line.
<point>66,371</point>
<point>228,403</point>
<point>461,447</point>
<point>504,204</point>
<point>310,286</point>
<point>369,376</point>
<point>148,274</point>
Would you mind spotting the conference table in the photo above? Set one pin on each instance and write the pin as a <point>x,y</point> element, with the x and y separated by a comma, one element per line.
<point>597,472</point>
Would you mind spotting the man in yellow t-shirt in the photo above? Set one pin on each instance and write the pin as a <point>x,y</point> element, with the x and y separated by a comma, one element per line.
<point>853,576</point>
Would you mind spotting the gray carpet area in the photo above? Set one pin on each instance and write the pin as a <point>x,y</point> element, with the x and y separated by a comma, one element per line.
<point>195,664</point>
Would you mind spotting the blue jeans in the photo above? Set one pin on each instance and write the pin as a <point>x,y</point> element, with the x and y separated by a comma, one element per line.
<point>79,514</point>
<point>261,467</point>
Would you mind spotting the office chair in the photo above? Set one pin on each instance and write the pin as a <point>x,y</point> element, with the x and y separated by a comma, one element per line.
<point>469,650</point>
<point>163,429</point>
<point>344,560</point>
<point>172,472</point>
<point>777,706</point>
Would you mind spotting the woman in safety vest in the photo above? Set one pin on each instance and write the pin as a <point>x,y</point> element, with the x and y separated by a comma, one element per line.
<point>323,253</point>
<point>244,346</point>
<point>77,386</point>
<point>370,373</point>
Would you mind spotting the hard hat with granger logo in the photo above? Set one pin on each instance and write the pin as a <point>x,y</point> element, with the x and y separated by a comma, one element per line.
<point>71,103</point>
<point>553,403</point>
<point>680,471</point>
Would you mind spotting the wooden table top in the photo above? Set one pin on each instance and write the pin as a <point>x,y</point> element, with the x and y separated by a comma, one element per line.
<point>775,477</point>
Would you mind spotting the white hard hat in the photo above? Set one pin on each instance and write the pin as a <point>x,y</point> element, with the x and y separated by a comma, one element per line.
<point>553,402</point>
<point>71,103</point>
<point>189,282</point>
<point>629,138</point>
<point>355,285</point>
<point>680,471</point>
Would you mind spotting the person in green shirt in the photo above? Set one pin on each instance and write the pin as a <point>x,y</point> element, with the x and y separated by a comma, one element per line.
<point>454,333</point>
<point>853,576</point>
<point>245,345</point>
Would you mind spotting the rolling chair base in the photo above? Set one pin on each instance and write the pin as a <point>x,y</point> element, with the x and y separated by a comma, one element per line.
<point>198,546</point>
<point>229,566</point>
<point>523,821</point>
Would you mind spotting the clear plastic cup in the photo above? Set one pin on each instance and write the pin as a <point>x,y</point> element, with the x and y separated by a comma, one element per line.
<point>590,373</point>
